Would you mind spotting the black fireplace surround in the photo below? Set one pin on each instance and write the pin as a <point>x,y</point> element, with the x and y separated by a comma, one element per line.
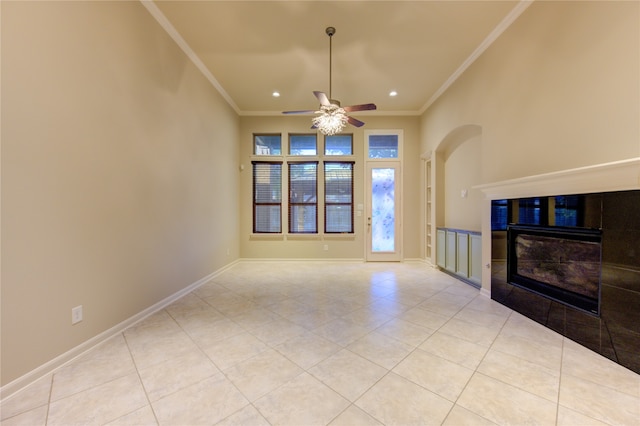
<point>579,277</point>
<point>562,264</point>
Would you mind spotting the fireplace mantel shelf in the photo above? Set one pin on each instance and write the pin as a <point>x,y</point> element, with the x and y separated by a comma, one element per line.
<point>615,176</point>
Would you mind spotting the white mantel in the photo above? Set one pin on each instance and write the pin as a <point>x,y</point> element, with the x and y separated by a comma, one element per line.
<point>623,175</point>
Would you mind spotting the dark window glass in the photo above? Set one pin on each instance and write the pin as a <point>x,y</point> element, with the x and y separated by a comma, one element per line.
<point>532,211</point>
<point>499,215</point>
<point>568,210</point>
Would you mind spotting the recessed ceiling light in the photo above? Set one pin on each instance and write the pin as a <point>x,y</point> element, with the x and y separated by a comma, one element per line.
<point>393,93</point>
<point>276,94</point>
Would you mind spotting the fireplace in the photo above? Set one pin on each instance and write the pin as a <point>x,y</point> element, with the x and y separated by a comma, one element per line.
<point>573,267</point>
<point>561,264</point>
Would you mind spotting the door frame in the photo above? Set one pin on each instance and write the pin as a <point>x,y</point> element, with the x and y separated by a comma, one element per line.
<point>396,255</point>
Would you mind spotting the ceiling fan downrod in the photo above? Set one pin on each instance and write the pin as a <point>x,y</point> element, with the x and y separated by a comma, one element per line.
<point>330,32</point>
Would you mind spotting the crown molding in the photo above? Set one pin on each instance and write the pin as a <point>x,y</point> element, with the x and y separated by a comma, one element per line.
<point>173,33</point>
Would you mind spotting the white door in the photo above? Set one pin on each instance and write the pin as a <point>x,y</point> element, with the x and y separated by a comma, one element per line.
<point>383,211</point>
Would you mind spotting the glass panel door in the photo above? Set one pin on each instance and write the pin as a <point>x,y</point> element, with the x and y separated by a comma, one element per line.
<point>383,211</point>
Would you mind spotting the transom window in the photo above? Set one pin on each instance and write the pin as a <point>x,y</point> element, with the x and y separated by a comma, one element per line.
<point>383,146</point>
<point>267,144</point>
<point>303,144</point>
<point>338,145</point>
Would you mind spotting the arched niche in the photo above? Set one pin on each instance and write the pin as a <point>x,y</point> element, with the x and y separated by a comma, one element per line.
<point>457,169</point>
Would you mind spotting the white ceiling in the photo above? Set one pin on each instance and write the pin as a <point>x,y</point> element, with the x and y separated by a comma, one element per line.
<point>249,49</point>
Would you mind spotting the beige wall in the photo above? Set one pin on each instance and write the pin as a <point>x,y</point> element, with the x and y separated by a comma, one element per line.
<point>559,89</point>
<point>339,247</point>
<point>461,174</point>
<point>119,173</point>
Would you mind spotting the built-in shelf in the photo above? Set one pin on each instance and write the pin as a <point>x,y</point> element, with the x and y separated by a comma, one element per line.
<point>429,213</point>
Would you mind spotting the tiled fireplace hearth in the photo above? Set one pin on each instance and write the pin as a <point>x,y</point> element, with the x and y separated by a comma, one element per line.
<point>565,252</point>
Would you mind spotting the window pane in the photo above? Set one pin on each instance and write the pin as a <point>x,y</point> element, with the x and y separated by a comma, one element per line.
<point>267,144</point>
<point>338,145</point>
<point>267,182</point>
<point>338,219</point>
<point>303,197</point>
<point>338,193</point>
<point>267,219</point>
<point>303,144</point>
<point>338,181</point>
<point>302,183</point>
<point>302,219</point>
<point>383,146</point>
<point>383,182</point>
<point>267,197</point>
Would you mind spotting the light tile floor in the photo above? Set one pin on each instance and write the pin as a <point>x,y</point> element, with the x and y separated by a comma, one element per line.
<point>328,343</point>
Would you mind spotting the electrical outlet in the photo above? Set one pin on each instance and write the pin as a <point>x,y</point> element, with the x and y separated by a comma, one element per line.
<point>228,252</point>
<point>76,315</point>
<point>326,247</point>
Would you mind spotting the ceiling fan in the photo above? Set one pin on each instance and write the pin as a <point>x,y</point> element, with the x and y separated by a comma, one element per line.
<point>332,117</point>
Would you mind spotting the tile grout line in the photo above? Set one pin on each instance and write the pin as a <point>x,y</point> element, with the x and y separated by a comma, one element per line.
<point>146,393</point>
<point>46,418</point>
<point>475,370</point>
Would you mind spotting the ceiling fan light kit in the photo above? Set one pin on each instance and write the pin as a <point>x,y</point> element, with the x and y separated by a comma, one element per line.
<point>332,118</point>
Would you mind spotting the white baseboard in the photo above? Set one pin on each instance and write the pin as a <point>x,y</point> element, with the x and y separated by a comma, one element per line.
<point>311,260</point>
<point>60,361</point>
<point>416,260</point>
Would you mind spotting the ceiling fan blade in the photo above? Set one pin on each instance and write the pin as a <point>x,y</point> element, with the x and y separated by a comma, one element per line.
<point>306,111</point>
<point>355,122</point>
<point>322,97</point>
<point>363,107</point>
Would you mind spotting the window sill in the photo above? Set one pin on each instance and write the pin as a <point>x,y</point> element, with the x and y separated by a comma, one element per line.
<point>340,237</point>
<point>267,158</point>
<point>303,237</point>
<point>266,237</point>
